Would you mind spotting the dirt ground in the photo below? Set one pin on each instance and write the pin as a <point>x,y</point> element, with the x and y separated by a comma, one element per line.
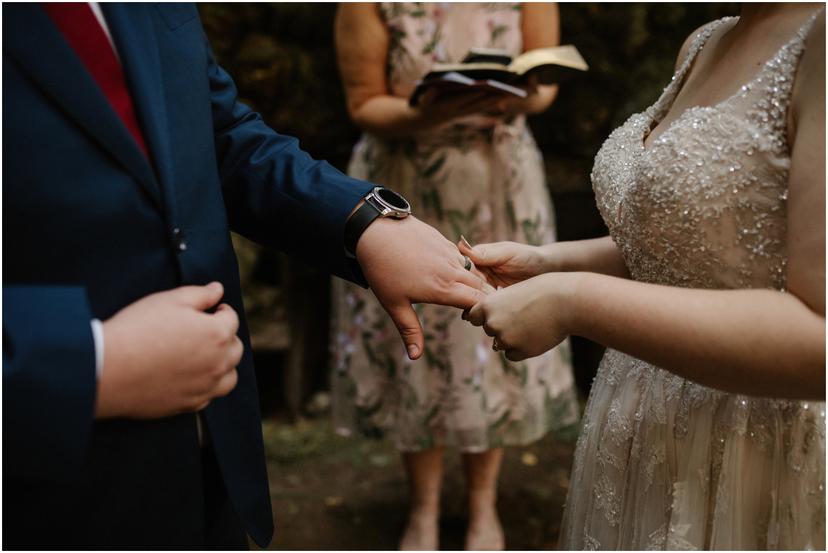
<point>331,492</point>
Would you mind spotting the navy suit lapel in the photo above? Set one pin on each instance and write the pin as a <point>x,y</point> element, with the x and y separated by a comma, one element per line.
<point>33,40</point>
<point>134,35</point>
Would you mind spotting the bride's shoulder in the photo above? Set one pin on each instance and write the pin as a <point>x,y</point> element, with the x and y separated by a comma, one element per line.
<point>698,35</point>
<point>685,47</point>
<point>813,56</point>
<point>808,94</point>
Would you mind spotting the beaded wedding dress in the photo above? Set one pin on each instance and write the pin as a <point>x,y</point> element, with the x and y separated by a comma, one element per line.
<point>662,462</point>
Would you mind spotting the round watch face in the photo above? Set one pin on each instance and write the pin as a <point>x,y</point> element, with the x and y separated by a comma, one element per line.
<point>393,199</point>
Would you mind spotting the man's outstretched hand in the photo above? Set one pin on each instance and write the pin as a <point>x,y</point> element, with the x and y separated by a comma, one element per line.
<point>407,261</point>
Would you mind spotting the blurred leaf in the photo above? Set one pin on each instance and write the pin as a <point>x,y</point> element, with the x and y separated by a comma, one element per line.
<point>528,458</point>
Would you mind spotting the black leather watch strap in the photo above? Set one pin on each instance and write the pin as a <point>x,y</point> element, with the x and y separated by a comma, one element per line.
<point>357,224</point>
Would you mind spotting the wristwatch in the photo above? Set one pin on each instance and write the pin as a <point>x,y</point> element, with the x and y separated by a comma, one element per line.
<point>380,202</point>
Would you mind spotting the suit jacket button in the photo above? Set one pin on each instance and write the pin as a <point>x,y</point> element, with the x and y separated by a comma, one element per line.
<point>178,238</point>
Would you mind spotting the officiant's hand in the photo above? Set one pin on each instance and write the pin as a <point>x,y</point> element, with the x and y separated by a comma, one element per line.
<point>435,108</point>
<point>538,99</point>
<point>406,261</point>
<point>527,318</point>
<point>165,354</point>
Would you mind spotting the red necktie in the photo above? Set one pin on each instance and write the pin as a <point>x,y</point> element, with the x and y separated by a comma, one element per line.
<point>85,35</point>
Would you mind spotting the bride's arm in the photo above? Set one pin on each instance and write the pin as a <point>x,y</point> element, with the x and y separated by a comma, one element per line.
<point>596,255</point>
<point>506,263</point>
<point>759,342</point>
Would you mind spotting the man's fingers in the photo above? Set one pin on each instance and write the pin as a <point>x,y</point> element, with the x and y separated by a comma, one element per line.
<point>470,279</point>
<point>226,383</point>
<point>486,280</point>
<point>408,325</point>
<point>201,298</point>
<point>235,352</point>
<point>227,317</point>
<point>202,405</point>
<point>461,296</point>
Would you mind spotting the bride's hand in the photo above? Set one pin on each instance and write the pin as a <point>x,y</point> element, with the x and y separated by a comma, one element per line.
<point>528,318</point>
<point>505,263</point>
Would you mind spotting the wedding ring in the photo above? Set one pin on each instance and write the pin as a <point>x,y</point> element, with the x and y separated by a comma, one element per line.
<point>467,263</point>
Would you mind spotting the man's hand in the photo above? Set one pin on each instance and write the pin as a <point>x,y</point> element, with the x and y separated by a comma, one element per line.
<point>407,261</point>
<point>165,355</point>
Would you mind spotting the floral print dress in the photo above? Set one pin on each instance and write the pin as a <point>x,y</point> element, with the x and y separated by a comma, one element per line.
<point>481,177</point>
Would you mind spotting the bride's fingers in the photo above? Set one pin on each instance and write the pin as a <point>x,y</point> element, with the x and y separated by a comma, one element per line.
<point>483,255</point>
<point>515,355</point>
<point>476,315</point>
<point>483,273</point>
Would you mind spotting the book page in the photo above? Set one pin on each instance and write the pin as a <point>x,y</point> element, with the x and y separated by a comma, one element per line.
<point>566,56</point>
<point>438,67</point>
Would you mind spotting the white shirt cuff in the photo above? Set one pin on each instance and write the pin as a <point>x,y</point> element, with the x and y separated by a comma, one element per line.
<point>98,338</point>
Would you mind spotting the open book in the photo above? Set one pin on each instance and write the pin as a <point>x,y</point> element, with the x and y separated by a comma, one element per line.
<point>496,71</point>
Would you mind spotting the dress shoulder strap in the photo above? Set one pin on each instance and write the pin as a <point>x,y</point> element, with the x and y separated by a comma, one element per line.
<point>769,94</point>
<point>671,90</point>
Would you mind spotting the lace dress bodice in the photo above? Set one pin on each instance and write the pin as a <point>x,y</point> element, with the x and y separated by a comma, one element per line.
<point>705,205</point>
<point>662,462</point>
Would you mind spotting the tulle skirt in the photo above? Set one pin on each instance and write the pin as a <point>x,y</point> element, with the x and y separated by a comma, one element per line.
<point>663,463</point>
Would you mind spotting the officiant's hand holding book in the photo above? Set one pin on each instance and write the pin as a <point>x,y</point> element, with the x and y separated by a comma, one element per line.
<point>436,108</point>
<point>494,71</point>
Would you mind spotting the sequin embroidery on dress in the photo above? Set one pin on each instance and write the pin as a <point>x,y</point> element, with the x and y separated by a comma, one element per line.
<point>664,463</point>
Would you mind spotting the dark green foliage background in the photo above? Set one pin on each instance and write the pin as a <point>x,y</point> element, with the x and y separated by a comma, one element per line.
<point>282,57</point>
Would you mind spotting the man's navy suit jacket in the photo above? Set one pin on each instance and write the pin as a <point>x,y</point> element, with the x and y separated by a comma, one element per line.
<point>90,225</point>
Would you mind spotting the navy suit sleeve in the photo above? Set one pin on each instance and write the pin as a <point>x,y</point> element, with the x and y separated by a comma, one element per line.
<point>49,380</point>
<point>276,194</point>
